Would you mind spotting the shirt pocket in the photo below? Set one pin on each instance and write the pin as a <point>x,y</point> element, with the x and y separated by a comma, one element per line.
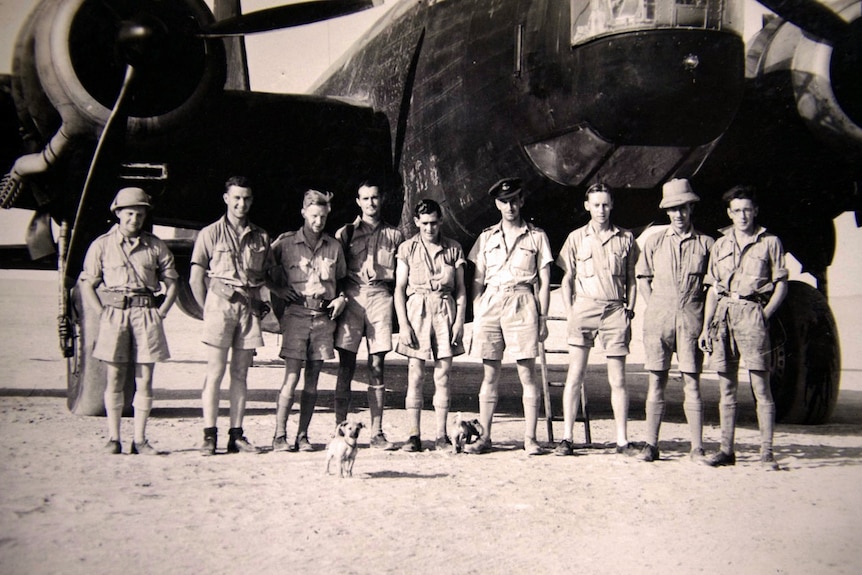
<point>326,268</point>
<point>697,264</point>
<point>495,254</point>
<point>256,255</point>
<point>386,257</point>
<point>584,263</point>
<point>756,266</point>
<point>524,259</point>
<point>222,261</point>
<point>617,263</point>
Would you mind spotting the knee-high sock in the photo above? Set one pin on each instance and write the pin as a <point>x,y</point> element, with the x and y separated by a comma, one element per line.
<point>727,413</point>
<point>307,401</point>
<point>654,413</point>
<point>766,423</point>
<point>694,416</point>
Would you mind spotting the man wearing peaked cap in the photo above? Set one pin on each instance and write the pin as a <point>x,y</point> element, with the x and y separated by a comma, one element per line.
<point>131,337</point>
<point>505,189</point>
<point>670,273</point>
<point>511,293</point>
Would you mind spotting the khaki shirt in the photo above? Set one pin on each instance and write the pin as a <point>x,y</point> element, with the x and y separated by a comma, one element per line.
<point>599,267</point>
<point>676,265</point>
<point>746,271</point>
<point>503,266</point>
<point>312,271</point>
<point>129,264</point>
<point>371,252</point>
<point>431,267</point>
<point>240,261</point>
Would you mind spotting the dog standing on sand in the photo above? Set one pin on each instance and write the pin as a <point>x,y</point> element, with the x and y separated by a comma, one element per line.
<point>466,432</point>
<point>343,448</point>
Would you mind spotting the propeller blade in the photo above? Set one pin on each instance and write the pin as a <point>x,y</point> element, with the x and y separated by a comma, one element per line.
<point>285,17</point>
<point>812,17</point>
<point>114,127</point>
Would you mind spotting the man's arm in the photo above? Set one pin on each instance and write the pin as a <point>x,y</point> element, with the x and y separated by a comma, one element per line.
<point>778,295</point>
<point>544,293</point>
<point>406,334</point>
<point>197,283</point>
<point>460,306</point>
<point>708,315</point>
<point>171,286</point>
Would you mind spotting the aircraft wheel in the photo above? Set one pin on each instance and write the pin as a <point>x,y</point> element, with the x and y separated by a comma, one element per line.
<point>806,357</point>
<point>85,375</point>
<point>186,300</point>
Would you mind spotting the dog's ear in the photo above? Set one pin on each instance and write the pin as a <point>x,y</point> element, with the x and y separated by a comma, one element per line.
<point>341,427</point>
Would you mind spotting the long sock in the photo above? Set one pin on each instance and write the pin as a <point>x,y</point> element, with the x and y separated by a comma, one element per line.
<point>531,415</point>
<point>375,407</point>
<point>694,416</point>
<point>142,404</point>
<point>727,413</point>
<point>487,405</point>
<point>114,411</point>
<point>766,423</point>
<point>413,416</point>
<point>282,411</point>
<point>654,413</point>
<point>307,401</point>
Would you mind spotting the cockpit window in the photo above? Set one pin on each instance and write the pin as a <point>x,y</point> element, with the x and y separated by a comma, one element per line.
<point>592,18</point>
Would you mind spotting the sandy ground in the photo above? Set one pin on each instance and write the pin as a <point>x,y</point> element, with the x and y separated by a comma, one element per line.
<point>67,508</point>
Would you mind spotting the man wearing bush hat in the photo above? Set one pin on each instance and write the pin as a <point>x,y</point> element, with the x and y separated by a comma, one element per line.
<point>128,264</point>
<point>670,273</point>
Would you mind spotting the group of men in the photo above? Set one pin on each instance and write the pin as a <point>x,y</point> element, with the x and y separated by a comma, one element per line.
<point>331,292</point>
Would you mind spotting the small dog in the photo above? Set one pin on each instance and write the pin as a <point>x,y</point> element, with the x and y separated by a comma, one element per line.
<point>465,432</point>
<point>343,448</point>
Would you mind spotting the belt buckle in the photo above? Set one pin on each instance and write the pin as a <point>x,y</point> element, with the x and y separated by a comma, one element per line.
<point>734,295</point>
<point>312,303</point>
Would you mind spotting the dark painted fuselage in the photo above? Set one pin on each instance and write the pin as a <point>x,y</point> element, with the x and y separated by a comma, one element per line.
<point>477,90</point>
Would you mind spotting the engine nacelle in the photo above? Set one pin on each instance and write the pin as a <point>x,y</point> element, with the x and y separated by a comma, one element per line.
<point>71,58</point>
<point>824,78</point>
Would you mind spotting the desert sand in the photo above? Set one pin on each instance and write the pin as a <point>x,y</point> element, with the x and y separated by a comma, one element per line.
<point>65,507</point>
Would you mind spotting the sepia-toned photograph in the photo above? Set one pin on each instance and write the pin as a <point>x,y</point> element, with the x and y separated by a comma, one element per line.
<point>425,286</point>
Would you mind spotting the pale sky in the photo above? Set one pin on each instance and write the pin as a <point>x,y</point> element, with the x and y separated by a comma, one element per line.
<point>291,60</point>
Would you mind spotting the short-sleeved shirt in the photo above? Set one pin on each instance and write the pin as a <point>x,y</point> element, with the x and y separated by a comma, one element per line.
<point>505,266</point>
<point>129,264</point>
<point>370,252</point>
<point>311,270</point>
<point>749,270</point>
<point>238,260</point>
<point>431,267</point>
<point>676,265</point>
<point>599,263</point>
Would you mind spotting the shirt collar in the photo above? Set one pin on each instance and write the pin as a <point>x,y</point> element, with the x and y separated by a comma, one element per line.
<point>728,231</point>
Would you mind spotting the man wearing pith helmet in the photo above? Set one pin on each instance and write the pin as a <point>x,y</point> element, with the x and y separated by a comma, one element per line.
<point>511,293</point>
<point>126,265</point>
<point>670,274</point>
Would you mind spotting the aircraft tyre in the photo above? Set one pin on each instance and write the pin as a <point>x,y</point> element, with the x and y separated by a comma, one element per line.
<point>806,357</point>
<point>186,300</point>
<point>85,375</point>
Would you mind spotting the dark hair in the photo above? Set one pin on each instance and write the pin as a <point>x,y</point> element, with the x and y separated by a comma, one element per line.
<point>741,192</point>
<point>238,181</point>
<point>427,207</point>
<point>368,183</point>
<point>597,189</point>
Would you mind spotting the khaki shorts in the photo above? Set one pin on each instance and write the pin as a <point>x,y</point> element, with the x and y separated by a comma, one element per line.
<point>432,316</point>
<point>132,335</point>
<point>306,334</point>
<point>506,320</point>
<point>668,329</point>
<point>369,314</point>
<point>739,331</point>
<point>230,325</point>
<point>590,318</point>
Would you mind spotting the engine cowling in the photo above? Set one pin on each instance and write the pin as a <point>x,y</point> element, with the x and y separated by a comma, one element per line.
<point>824,77</point>
<point>71,57</point>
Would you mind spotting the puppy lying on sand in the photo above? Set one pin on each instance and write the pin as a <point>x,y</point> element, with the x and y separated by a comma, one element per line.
<point>342,448</point>
<point>464,432</point>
